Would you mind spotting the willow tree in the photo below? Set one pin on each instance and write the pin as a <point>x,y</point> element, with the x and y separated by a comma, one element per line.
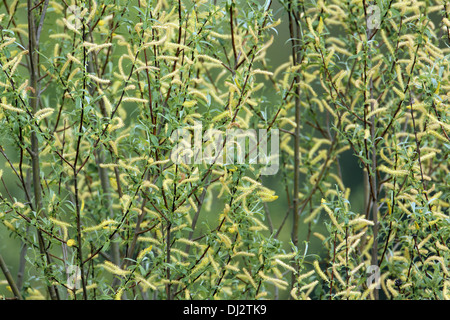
<point>94,94</point>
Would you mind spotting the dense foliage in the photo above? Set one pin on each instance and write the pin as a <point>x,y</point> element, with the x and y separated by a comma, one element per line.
<point>92,92</point>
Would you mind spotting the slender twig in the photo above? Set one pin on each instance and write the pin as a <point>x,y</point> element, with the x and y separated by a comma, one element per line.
<point>295,196</point>
<point>9,278</point>
<point>34,103</point>
<point>233,43</point>
<point>75,178</point>
<point>41,22</point>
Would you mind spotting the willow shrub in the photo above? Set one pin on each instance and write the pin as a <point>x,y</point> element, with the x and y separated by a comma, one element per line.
<point>91,93</point>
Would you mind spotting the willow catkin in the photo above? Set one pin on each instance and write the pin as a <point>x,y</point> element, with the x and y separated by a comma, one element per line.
<point>319,271</point>
<point>11,108</point>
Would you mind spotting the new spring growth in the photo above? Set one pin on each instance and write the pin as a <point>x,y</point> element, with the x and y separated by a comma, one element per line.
<point>332,216</point>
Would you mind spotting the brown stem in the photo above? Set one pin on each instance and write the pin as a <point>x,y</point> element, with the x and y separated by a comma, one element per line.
<point>34,103</point>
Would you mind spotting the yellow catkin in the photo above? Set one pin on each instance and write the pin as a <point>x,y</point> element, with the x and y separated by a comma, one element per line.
<point>211,59</point>
<point>148,184</point>
<point>261,295</point>
<point>88,287</point>
<point>338,180</point>
<point>399,76</point>
<point>329,57</point>
<point>249,277</point>
<point>220,35</point>
<point>213,262</point>
<point>424,241</point>
<point>277,282</point>
<point>116,124</point>
<point>144,283</point>
<point>62,224</point>
<point>149,239</point>
<point>332,217</point>
<point>309,24</point>
<point>200,265</point>
<point>339,77</point>
<point>377,111</point>
<point>348,293</point>
<point>99,47</point>
<point>34,294</point>
<point>73,73</point>
<point>446,290</point>
<point>441,246</point>
<point>313,214</point>
<point>93,7</point>
<point>356,269</point>
<point>285,265</point>
<point>387,42</point>
<point>305,275</point>
<point>319,235</point>
<point>198,94</point>
<point>440,260</point>
<point>18,205</point>
<point>284,255</point>
<point>16,61</point>
<point>309,285</point>
<point>9,63</point>
<point>11,108</point>
<point>327,106</point>
<point>319,271</point>
<point>317,145</point>
<point>134,99</point>
<point>60,36</point>
<point>7,42</point>
<point>225,239</point>
<point>338,276</point>
<point>437,135</point>
<point>399,93</point>
<point>263,72</point>
<point>9,225</point>
<point>403,208</point>
<point>393,172</point>
<point>72,58</point>
<point>385,158</point>
<point>170,75</point>
<point>118,295</point>
<point>111,267</point>
<point>43,113</point>
<point>108,165</point>
<point>390,287</point>
<point>232,268</point>
<point>103,224</point>
<point>293,293</point>
<point>98,80</point>
<point>360,221</point>
<point>144,252</point>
